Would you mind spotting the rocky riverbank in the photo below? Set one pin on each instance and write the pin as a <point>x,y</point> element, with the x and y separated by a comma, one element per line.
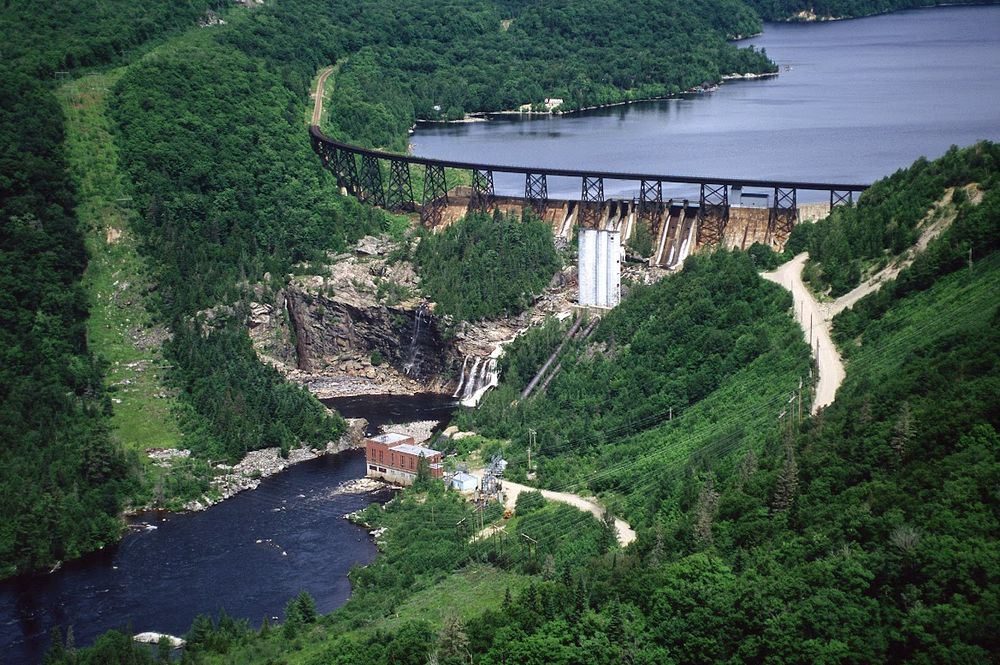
<point>259,464</point>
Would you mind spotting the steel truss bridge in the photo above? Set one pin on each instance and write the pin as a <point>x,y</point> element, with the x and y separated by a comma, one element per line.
<point>384,179</point>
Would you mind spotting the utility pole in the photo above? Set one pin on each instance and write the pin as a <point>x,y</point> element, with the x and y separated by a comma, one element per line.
<point>531,543</point>
<point>531,443</point>
<point>670,416</point>
<point>800,400</point>
<point>970,258</point>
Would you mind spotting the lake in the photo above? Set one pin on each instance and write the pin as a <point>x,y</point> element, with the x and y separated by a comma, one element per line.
<point>854,101</point>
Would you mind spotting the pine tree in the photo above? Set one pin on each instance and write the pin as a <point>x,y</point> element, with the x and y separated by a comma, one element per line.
<point>307,607</point>
<point>748,467</point>
<point>549,567</point>
<point>164,649</point>
<point>453,643</point>
<point>56,653</point>
<point>788,481</point>
<point>708,501</point>
<point>903,431</point>
<point>659,546</point>
<point>609,535</point>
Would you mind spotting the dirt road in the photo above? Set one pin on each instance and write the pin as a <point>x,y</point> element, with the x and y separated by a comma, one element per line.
<point>511,489</point>
<point>816,329</point>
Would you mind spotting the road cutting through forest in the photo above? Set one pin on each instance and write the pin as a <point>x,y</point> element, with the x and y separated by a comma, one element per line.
<point>815,327</point>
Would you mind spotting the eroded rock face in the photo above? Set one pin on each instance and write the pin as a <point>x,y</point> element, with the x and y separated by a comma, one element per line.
<point>330,332</point>
<point>358,329</point>
<point>359,326</point>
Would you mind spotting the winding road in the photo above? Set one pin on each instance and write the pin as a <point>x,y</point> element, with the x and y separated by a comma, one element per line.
<point>624,532</point>
<point>815,328</point>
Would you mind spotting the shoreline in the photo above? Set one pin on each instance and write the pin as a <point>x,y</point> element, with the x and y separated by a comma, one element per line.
<point>486,116</point>
<point>352,439</point>
<point>257,465</point>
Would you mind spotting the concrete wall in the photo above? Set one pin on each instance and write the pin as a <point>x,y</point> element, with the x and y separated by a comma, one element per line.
<point>394,476</point>
<point>599,267</point>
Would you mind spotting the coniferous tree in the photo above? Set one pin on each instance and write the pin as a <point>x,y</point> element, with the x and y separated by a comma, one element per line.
<point>788,481</point>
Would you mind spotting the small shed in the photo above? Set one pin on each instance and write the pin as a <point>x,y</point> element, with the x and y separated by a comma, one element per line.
<point>463,482</point>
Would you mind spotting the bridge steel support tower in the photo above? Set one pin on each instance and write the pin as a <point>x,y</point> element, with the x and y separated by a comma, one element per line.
<point>784,215</point>
<point>536,190</point>
<point>591,201</point>
<point>435,195</point>
<point>399,193</point>
<point>713,213</point>
<point>345,168</point>
<point>370,190</point>
<point>841,197</point>
<point>483,193</point>
<point>650,204</point>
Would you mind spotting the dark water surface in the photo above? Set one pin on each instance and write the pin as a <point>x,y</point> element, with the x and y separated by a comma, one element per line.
<point>159,579</point>
<point>854,101</point>
<point>385,410</point>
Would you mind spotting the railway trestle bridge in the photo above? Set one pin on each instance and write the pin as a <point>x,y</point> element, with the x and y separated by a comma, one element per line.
<point>385,179</point>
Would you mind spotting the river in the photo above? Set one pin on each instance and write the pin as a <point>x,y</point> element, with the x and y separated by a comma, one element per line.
<point>854,101</point>
<point>248,554</point>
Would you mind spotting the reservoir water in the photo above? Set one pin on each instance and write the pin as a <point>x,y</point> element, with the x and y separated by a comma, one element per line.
<point>854,101</point>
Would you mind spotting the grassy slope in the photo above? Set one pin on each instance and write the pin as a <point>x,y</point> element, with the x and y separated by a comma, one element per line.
<point>740,415</point>
<point>961,301</point>
<point>466,593</point>
<point>116,279</point>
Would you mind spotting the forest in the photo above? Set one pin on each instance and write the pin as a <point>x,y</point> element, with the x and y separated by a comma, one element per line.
<point>866,533</point>
<point>208,128</point>
<point>666,348</point>
<point>887,219</point>
<point>501,261</point>
<point>62,479</point>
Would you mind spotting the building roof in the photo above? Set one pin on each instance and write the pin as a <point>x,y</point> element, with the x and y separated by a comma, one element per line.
<point>464,478</point>
<point>390,438</point>
<point>415,450</point>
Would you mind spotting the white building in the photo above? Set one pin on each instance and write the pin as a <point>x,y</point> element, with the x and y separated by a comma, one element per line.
<point>464,482</point>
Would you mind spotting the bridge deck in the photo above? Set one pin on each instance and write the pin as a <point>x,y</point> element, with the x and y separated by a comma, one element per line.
<point>319,136</point>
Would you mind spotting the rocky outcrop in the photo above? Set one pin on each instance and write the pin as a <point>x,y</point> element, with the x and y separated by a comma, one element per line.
<point>357,328</point>
<point>259,464</point>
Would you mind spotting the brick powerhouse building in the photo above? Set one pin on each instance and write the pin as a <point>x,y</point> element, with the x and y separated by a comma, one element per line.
<point>395,457</point>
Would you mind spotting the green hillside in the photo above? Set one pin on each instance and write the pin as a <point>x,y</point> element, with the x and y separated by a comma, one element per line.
<point>162,146</point>
<point>867,533</point>
<point>211,185</point>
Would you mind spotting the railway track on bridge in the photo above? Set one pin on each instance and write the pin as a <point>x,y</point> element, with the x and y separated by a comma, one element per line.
<point>384,179</point>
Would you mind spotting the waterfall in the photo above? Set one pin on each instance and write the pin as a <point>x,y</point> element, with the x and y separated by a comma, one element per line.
<point>468,380</point>
<point>413,362</point>
<point>483,376</point>
<point>686,246</point>
<point>461,378</point>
